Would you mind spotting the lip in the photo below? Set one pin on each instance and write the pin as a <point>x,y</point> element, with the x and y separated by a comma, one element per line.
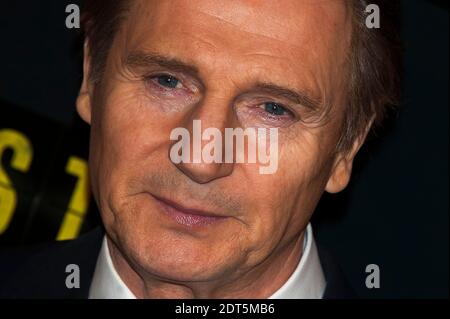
<point>191,218</point>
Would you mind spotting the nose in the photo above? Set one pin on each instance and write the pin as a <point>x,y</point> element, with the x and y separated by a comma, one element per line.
<point>206,126</point>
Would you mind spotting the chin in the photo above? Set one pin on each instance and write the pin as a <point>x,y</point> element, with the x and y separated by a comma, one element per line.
<point>166,255</point>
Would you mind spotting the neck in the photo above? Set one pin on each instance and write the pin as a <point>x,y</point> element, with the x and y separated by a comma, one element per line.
<point>259,282</point>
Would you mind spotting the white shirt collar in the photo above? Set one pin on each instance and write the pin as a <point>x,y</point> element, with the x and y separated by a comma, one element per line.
<point>306,282</point>
<point>106,282</point>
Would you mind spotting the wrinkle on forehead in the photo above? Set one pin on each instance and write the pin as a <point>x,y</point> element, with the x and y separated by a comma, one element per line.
<point>275,20</point>
<point>282,19</point>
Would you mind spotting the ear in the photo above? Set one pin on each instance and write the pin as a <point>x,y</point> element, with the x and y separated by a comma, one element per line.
<point>343,164</point>
<point>84,96</point>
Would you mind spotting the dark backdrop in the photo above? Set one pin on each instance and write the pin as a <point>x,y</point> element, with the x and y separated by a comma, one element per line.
<point>394,212</point>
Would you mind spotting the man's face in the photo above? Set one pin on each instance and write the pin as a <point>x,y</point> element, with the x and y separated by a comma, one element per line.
<point>221,62</point>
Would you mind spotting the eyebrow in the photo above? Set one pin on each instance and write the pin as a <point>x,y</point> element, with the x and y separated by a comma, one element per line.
<point>139,59</point>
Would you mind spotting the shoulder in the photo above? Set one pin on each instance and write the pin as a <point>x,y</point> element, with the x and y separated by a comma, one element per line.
<point>39,271</point>
<point>337,285</point>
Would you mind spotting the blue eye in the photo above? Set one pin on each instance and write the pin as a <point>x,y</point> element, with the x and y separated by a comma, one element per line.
<point>168,81</point>
<point>274,108</point>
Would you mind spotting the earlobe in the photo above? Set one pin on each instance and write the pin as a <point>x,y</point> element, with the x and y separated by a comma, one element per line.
<point>342,167</point>
<point>84,96</point>
<point>340,175</point>
<point>84,107</point>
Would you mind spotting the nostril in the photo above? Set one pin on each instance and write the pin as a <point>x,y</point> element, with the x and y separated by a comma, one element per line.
<point>204,173</point>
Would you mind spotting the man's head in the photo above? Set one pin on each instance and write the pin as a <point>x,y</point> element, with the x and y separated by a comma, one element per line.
<point>289,65</point>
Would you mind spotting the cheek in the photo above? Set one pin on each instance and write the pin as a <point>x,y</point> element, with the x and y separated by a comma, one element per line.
<point>127,139</point>
<point>283,202</point>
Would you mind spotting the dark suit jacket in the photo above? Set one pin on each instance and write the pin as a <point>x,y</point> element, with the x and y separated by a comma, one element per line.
<point>39,271</point>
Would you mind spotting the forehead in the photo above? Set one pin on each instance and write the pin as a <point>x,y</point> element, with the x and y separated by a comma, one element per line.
<point>308,37</point>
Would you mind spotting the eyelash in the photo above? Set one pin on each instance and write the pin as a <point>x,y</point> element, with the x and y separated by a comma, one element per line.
<point>154,80</point>
<point>284,108</point>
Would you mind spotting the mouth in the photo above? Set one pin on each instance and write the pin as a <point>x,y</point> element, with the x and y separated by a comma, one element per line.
<point>191,218</point>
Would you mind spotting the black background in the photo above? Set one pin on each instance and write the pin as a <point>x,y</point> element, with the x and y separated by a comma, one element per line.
<point>394,212</point>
